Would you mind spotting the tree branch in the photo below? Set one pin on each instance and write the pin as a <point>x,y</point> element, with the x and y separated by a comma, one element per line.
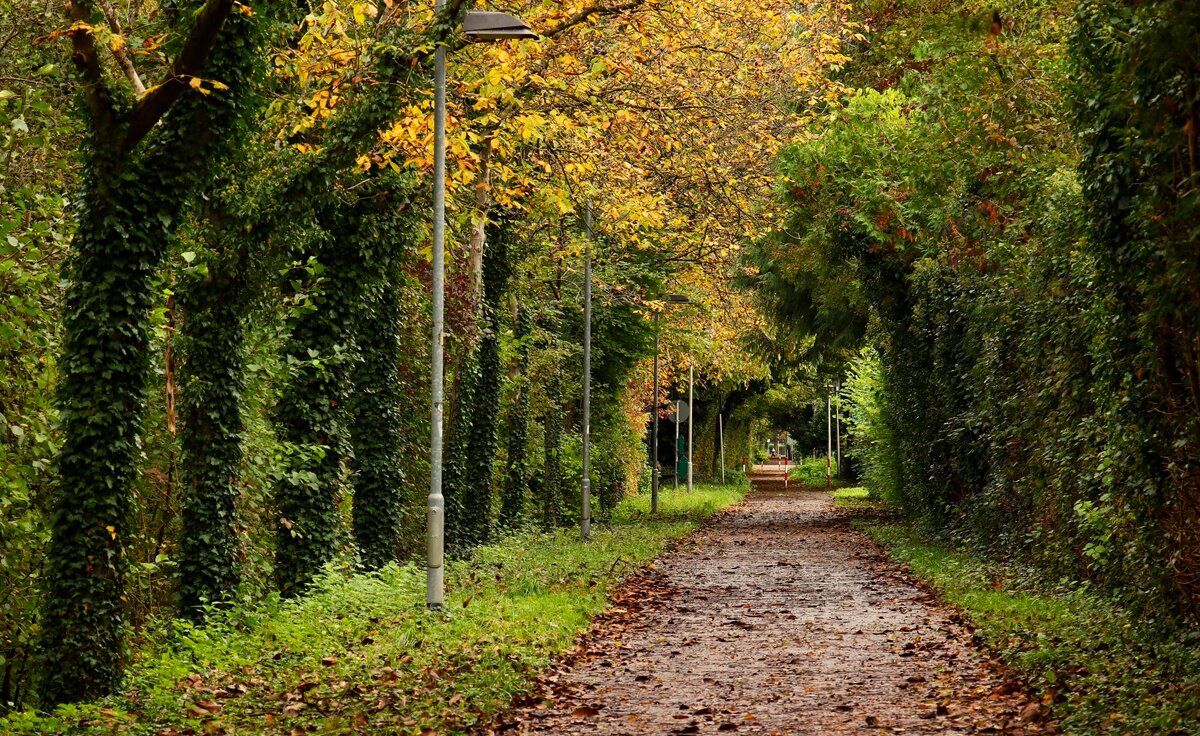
<point>119,52</point>
<point>8,39</point>
<point>583,15</point>
<point>155,103</point>
<point>83,54</point>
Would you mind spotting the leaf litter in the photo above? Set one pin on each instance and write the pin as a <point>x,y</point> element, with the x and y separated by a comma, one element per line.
<point>776,618</point>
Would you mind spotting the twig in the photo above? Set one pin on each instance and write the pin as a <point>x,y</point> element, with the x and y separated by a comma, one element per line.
<point>588,12</point>
<point>119,51</point>
<point>8,39</point>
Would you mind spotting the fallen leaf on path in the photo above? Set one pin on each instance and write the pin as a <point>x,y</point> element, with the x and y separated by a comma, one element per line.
<point>584,711</point>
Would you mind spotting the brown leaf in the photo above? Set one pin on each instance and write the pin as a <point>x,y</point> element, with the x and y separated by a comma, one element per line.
<point>329,661</point>
<point>584,711</point>
<point>204,708</point>
<point>872,721</point>
<point>1031,712</point>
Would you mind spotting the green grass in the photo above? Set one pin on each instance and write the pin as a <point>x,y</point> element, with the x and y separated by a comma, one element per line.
<point>848,494</point>
<point>363,654</point>
<point>858,498</point>
<point>812,472</point>
<point>1105,670</point>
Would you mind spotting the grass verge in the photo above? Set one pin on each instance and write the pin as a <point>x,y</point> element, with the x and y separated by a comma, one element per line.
<point>361,653</point>
<point>1101,669</point>
<point>856,498</point>
<point>812,472</point>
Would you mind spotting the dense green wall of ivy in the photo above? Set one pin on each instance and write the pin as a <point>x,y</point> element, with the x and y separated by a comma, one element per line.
<point>1023,280</point>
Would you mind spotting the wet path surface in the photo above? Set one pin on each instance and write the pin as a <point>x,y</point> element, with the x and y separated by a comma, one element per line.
<point>778,618</point>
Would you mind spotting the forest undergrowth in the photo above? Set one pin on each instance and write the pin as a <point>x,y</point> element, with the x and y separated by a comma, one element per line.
<point>362,653</point>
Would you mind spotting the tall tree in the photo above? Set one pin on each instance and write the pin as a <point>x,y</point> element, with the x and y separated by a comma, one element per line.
<point>476,492</point>
<point>515,491</point>
<point>145,154</point>
<point>385,238</point>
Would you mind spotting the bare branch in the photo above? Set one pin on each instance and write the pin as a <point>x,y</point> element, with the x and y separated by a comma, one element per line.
<point>8,39</point>
<point>119,52</point>
<point>155,103</point>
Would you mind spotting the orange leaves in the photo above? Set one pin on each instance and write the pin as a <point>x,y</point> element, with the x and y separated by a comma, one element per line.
<point>668,116</point>
<point>199,85</point>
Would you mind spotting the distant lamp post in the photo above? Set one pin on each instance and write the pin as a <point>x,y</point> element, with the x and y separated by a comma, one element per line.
<point>691,413</point>
<point>829,438</point>
<point>669,299</point>
<point>477,26</point>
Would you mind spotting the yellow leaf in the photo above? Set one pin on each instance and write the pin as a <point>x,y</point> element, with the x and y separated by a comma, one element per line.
<point>112,530</point>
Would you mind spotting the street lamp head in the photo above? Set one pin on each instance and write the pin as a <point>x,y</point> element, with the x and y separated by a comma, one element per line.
<point>676,299</point>
<point>483,25</point>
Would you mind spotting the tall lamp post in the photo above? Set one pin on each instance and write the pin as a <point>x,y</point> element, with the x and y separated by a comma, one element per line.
<point>477,26</point>
<point>837,413</point>
<point>669,299</point>
<point>585,517</point>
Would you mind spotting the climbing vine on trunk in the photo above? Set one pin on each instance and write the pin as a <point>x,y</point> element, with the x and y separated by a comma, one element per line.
<point>385,240</point>
<point>142,161</point>
<point>516,481</point>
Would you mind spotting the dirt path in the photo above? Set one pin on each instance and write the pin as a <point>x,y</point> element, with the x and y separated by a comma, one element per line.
<point>778,618</point>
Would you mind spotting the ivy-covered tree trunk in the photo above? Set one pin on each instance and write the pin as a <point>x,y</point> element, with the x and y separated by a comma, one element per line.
<point>378,391</point>
<point>142,161</point>
<point>612,451</point>
<point>456,480</point>
<point>516,482</point>
<point>475,493</point>
<point>104,364</point>
<point>213,305</point>
<point>375,430</point>
<point>311,414</point>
